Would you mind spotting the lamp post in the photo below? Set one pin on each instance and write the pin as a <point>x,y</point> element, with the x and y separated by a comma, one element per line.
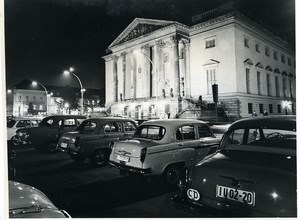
<point>155,71</point>
<point>82,90</point>
<point>35,83</point>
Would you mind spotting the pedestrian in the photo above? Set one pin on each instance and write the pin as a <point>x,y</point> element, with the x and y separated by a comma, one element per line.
<point>254,113</point>
<point>265,113</point>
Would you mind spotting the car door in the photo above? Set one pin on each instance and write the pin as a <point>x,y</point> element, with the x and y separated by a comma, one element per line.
<point>111,132</point>
<point>186,141</point>
<point>129,129</point>
<point>207,141</point>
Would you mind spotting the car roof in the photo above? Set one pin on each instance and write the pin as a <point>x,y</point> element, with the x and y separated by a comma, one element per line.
<point>173,122</point>
<point>65,116</point>
<point>108,119</point>
<point>287,122</point>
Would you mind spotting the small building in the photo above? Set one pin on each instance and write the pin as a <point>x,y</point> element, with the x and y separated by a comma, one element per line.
<point>159,68</point>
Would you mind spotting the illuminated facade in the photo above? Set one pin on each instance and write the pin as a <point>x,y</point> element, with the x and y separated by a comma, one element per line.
<point>157,67</point>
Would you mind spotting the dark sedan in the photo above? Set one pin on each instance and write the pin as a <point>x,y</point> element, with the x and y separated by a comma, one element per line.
<point>252,174</point>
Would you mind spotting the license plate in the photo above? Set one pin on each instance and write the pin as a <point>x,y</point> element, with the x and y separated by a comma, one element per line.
<point>64,145</point>
<point>238,195</point>
<point>123,158</point>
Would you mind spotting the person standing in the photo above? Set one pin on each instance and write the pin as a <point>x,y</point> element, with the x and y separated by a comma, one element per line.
<point>265,113</point>
<point>254,113</point>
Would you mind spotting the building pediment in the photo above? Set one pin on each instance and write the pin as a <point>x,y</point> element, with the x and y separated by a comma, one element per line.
<point>140,27</point>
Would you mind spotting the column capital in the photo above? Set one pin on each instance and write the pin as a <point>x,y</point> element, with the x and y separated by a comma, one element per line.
<point>174,39</point>
<point>145,47</point>
<point>123,54</point>
<point>160,43</point>
<point>114,57</point>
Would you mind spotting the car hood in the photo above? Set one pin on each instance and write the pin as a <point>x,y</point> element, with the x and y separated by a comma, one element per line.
<point>264,174</point>
<point>27,201</point>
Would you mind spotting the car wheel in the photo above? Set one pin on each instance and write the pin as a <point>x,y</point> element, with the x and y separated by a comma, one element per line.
<point>15,141</point>
<point>99,158</point>
<point>51,146</point>
<point>172,175</point>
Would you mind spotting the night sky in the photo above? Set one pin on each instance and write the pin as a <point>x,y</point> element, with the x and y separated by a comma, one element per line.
<point>45,37</point>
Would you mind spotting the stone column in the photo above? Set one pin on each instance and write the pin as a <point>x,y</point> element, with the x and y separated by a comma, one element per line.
<point>115,78</point>
<point>176,76</point>
<point>146,70</point>
<point>123,55</point>
<point>187,69</point>
<point>160,70</point>
<point>133,75</point>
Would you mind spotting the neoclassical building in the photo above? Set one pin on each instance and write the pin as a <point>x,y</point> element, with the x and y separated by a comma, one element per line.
<point>157,68</point>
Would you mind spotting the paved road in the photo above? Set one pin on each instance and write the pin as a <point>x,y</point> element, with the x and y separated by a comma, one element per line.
<point>85,191</point>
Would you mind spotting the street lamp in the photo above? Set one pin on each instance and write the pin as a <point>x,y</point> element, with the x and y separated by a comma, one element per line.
<point>35,83</point>
<point>154,67</point>
<point>82,90</point>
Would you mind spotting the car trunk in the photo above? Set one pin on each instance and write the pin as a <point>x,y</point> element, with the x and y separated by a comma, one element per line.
<point>257,182</point>
<point>129,152</point>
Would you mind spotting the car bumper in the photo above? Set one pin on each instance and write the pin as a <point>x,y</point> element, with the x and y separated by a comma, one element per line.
<point>130,169</point>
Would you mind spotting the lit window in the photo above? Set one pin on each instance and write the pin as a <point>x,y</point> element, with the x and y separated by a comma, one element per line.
<point>210,43</point>
<point>41,107</point>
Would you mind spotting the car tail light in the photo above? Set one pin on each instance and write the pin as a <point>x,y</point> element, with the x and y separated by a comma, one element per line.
<point>143,154</point>
<point>77,142</point>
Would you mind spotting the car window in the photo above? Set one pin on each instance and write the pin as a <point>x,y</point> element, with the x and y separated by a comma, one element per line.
<point>69,122</point>
<point>47,122</point>
<point>11,123</point>
<point>203,131</point>
<point>23,123</point>
<point>34,123</point>
<point>186,132</point>
<point>87,126</point>
<point>242,139</point>
<point>113,127</point>
<point>79,121</point>
<point>150,132</point>
<point>129,126</point>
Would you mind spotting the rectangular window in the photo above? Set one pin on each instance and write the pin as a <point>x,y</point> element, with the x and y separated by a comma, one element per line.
<point>284,87</point>
<point>279,108</point>
<point>275,55</point>
<point>210,43</point>
<point>41,107</point>
<point>211,79</point>
<point>268,85</point>
<point>291,91</point>
<point>41,98</point>
<point>267,51</point>
<point>270,108</point>
<point>27,98</point>
<point>261,108</point>
<point>34,107</point>
<point>34,98</point>
<point>257,47</point>
<point>277,86</point>
<point>248,80</point>
<point>289,61</point>
<point>282,58</point>
<point>246,42</point>
<point>258,83</point>
<point>250,108</point>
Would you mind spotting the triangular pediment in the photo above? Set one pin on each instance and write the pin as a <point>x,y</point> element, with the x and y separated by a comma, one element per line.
<point>140,27</point>
<point>211,62</point>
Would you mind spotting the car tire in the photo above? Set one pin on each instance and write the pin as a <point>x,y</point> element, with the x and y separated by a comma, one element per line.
<point>172,174</point>
<point>99,158</point>
<point>14,141</point>
<point>51,146</point>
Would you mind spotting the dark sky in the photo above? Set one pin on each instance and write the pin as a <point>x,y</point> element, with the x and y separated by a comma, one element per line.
<point>45,37</point>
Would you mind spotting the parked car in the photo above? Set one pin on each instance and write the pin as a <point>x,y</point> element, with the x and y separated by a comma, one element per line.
<point>252,174</point>
<point>28,202</point>
<point>219,129</point>
<point>46,135</point>
<point>164,147</point>
<point>13,124</point>
<point>94,136</point>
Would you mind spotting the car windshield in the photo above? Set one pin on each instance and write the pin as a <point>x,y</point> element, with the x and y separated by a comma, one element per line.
<point>152,132</point>
<point>11,123</point>
<point>87,127</point>
<point>261,140</point>
<point>47,122</point>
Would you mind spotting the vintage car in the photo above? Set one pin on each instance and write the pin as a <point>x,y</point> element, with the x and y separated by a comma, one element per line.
<point>252,174</point>
<point>46,135</point>
<point>164,147</point>
<point>28,202</point>
<point>93,137</point>
<point>13,124</point>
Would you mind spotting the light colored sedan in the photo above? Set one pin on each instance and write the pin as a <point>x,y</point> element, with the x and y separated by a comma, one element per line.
<point>164,147</point>
<point>15,123</point>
